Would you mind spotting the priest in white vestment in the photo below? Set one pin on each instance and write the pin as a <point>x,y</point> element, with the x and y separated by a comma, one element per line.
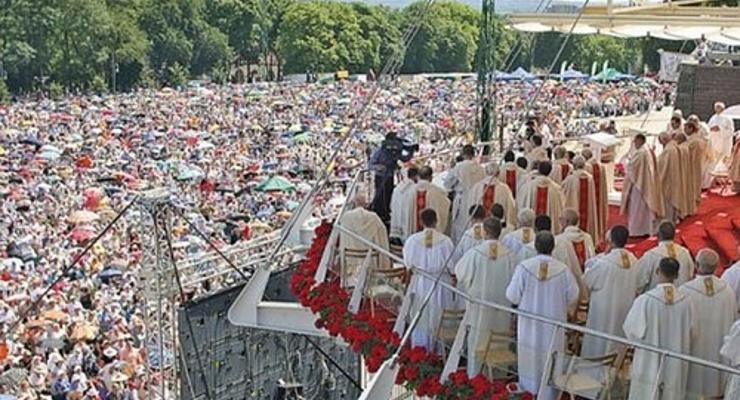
<point>511,173</point>
<point>716,309</point>
<point>484,273</point>
<point>399,214</point>
<point>543,195</point>
<point>687,204</point>
<point>580,194</point>
<point>642,198</point>
<point>541,223</point>
<point>497,211</point>
<point>573,247</point>
<point>598,173</point>
<point>698,157</point>
<point>612,280</point>
<point>731,352</point>
<point>650,260</point>
<point>666,318</point>
<point>721,130</point>
<point>424,195</point>
<point>430,251</point>
<point>367,224</point>
<point>525,232</point>
<point>732,277</point>
<point>546,287</point>
<point>537,153</point>
<point>561,167</point>
<point>671,178</point>
<point>460,180</point>
<point>473,236</point>
<point>490,191</point>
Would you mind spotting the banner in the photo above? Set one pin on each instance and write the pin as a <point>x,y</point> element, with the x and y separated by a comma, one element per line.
<point>669,63</point>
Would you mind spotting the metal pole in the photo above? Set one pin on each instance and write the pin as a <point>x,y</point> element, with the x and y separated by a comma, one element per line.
<point>658,389</point>
<point>160,323</point>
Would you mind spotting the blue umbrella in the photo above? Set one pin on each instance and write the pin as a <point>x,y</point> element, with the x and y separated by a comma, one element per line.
<point>522,74</point>
<point>110,273</point>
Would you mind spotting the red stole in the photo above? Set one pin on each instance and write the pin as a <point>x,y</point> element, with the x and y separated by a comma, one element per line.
<point>580,249</point>
<point>511,180</point>
<point>421,204</point>
<point>564,170</point>
<point>583,203</point>
<point>489,197</point>
<point>541,200</point>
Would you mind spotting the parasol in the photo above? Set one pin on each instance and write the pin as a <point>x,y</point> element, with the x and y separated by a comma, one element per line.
<point>12,377</point>
<point>82,217</point>
<point>108,273</point>
<point>54,315</point>
<point>83,332</point>
<point>275,184</point>
<point>82,233</point>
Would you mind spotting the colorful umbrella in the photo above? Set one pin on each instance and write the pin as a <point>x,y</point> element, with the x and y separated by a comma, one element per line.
<point>275,184</point>
<point>82,233</point>
<point>82,217</point>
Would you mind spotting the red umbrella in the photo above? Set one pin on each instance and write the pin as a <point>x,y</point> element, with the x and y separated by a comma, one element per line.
<point>82,233</point>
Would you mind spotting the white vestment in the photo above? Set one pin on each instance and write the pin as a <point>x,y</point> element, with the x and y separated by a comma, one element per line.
<point>399,213</point>
<point>490,191</point>
<point>662,317</point>
<point>543,196</point>
<point>513,176</point>
<point>612,280</point>
<point>560,170</point>
<point>732,277</point>
<point>471,238</point>
<point>429,251</point>
<point>731,352</point>
<point>485,272</point>
<point>460,179</point>
<point>520,237</point>
<point>573,247</point>
<point>423,195</point>
<point>368,225</point>
<point>649,262</point>
<point>715,306</point>
<point>720,141</point>
<point>546,287</point>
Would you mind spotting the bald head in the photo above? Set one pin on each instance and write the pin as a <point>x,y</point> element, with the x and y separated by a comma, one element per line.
<point>570,217</point>
<point>579,162</point>
<point>425,173</point>
<point>360,200</point>
<point>664,138</point>
<point>525,217</point>
<point>706,261</point>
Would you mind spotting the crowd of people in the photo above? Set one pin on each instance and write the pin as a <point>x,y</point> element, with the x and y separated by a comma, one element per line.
<point>238,160</point>
<point>525,232</point>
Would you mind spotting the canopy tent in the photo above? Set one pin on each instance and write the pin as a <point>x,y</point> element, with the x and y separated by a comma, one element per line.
<point>572,74</point>
<point>522,74</point>
<point>611,75</point>
<point>732,112</point>
<point>670,21</point>
<point>275,184</point>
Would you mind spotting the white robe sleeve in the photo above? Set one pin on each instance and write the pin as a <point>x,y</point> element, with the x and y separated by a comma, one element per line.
<point>572,291</point>
<point>635,325</point>
<point>465,272</point>
<point>593,279</point>
<point>515,290</point>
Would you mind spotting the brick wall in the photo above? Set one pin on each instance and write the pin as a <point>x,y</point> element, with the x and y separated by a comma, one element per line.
<point>700,86</point>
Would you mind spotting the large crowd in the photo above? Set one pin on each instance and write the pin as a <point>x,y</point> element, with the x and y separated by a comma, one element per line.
<point>239,158</point>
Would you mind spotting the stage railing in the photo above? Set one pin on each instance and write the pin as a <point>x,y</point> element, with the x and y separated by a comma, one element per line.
<point>668,362</point>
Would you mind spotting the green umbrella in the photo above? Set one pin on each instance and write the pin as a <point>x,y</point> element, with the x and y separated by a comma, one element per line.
<point>275,184</point>
<point>301,138</point>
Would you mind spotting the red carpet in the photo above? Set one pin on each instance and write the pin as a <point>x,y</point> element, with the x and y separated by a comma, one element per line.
<point>712,227</point>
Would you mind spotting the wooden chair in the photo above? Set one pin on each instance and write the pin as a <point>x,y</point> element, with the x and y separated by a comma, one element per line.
<point>449,323</point>
<point>396,250</point>
<point>381,286</point>
<point>574,339</point>
<point>580,378</point>
<point>497,354</point>
<point>351,260</point>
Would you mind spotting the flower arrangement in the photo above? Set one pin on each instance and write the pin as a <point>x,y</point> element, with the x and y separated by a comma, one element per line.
<point>371,334</point>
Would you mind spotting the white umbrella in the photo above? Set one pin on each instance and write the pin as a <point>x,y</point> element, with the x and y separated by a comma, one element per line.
<point>732,112</point>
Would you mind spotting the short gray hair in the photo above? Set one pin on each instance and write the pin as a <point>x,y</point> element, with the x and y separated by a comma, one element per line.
<point>707,260</point>
<point>525,217</point>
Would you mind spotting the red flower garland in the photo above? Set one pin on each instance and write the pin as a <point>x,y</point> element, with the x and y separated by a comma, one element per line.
<point>373,336</point>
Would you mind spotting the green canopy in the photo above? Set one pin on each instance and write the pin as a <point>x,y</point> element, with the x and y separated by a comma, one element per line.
<point>301,138</point>
<point>609,74</point>
<point>275,184</point>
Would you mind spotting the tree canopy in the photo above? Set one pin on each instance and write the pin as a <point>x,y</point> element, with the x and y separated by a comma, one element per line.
<point>118,44</point>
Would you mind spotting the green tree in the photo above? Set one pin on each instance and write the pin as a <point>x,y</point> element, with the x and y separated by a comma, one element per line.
<point>322,36</point>
<point>4,92</point>
<point>623,54</point>
<point>380,26</point>
<point>447,38</point>
<point>237,19</point>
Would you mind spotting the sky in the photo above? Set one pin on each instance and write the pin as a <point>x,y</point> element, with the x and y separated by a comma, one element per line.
<point>504,6</point>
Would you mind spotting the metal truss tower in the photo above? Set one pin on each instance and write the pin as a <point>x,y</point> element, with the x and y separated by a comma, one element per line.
<point>486,90</point>
<point>160,294</point>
